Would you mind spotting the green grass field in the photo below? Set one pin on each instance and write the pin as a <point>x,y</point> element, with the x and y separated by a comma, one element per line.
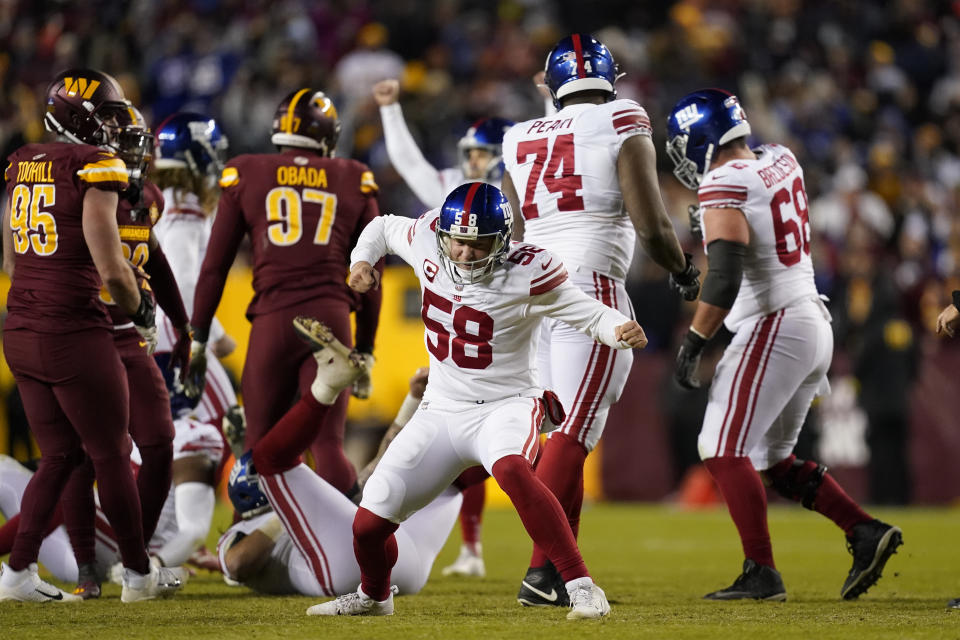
<point>653,562</point>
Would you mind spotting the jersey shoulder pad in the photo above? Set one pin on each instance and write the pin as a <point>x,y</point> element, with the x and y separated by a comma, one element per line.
<point>627,117</point>
<point>725,187</point>
<point>235,169</point>
<point>102,169</point>
<point>425,224</point>
<point>368,184</point>
<point>542,269</point>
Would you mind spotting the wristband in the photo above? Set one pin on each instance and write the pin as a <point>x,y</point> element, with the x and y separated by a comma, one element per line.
<point>407,409</point>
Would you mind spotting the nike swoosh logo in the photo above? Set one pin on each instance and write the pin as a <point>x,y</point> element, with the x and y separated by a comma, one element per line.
<point>56,596</point>
<point>546,266</point>
<point>551,597</point>
<point>142,343</point>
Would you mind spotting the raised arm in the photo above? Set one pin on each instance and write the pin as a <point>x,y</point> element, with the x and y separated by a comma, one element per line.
<point>406,157</point>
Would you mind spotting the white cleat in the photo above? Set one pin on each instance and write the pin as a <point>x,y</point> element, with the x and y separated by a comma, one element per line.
<point>468,563</point>
<point>337,366</point>
<point>354,604</point>
<point>26,586</point>
<point>161,582</point>
<point>587,600</point>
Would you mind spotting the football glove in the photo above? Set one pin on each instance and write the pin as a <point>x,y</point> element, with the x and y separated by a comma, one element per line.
<point>145,321</point>
<point>687,282</point>
<point>688,360</point>
<point>197,374</point>
<point>362,387</point>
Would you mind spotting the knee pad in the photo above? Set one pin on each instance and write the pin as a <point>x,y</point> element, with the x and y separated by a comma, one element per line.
<point>798,480</point>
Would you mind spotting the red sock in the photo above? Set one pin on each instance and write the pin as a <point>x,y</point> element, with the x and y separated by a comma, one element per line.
<point>830,500</point>
<point>121,504</point>
<point>746,501</point>
<point>7,534</point>
<point>560,468</point>
<point>471,514</point>
<point>279,450</point>
<point>376,550</point>
<point>541,515</point>
<point>79,512</point>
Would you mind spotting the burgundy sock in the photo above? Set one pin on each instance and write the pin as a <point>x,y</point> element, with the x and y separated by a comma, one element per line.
<point>279,450</point>
<point>541,515</point>
<point>560,468</point>
<point>37,506</point>
<point>153,483</point>
<point>746,501</point>
<point>8,532</point>
<point>120,503</point>
<point>376,550</point>
<point>79,512</point>
<point>471,514</point>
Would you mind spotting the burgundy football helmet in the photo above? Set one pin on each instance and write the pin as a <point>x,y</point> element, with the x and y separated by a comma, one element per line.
<point>307,119</point>
<point>86,106</point>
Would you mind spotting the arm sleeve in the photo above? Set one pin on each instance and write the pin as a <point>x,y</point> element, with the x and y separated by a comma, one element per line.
<point>164,286</point>
<point>421,176</point>
<point>383,235</point>
<point>567,303</point>
<point>368,311</point>
<point>228,230</point>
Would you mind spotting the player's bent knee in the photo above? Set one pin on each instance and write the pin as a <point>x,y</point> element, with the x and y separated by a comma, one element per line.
<point>511,471</point>
<point>796,479</point>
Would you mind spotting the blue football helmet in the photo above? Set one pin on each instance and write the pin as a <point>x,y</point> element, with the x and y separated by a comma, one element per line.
<point>487,134</point>
<point>698,124</point>
<point>244,488</point>
<point>191,141</point>
<point>473,211</point>
<point>580,62</point>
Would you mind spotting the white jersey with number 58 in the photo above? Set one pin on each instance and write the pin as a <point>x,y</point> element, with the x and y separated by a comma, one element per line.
<point>769,190</point>
<point>564,168</point>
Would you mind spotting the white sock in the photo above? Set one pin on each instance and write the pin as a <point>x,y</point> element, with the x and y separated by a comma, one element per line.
<point>194,502</point>
<point>585,581</point>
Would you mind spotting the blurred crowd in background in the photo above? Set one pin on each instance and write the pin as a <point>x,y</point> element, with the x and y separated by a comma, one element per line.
<point>867,95</point>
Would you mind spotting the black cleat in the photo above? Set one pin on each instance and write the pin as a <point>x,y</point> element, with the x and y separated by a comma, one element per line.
<point>871,544</point>
<point>757,582</point>
<point>954,604</point>
<point>88,584</point>
<point>543,587</point>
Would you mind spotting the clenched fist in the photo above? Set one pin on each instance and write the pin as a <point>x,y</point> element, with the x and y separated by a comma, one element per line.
<point>386,92</point>
<point>363,277</point>
<point>631,333</point>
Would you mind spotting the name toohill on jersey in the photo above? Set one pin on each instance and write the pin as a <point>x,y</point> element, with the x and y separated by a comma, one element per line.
<point>303,213</point>
<point>564,168</point>
<point>57,285</point>
<point>770,192</point>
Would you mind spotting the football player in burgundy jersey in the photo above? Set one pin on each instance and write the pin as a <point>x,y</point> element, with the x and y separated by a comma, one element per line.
<point>583,182</point>
<point>150,423</point>
<point>61,244</point>
<point>760,284</point>
<point>302,209</point>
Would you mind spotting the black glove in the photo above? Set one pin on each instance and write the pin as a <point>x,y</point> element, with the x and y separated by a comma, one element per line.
<point>688,361</point>
<point>687,282</point>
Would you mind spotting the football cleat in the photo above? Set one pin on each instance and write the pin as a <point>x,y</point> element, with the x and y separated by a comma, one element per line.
<point>757,582</point>
<point>871,545</point>
<point>356,603</point>
<point>543,587</point>
<point>26,586</point>
<point>88,584</point>
<point>468,563</point>
<point>161,582</point>
<point>587,600</point>
<point>954,604</point>
<point>337,365</point>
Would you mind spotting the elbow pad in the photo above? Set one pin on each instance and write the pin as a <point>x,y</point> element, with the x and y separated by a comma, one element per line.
<point>725,271</point>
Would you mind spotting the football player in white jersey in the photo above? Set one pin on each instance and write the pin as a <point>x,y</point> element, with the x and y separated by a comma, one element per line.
<point>760,284</point>
<point>585,181</point>
<point>481,158</point>
<point>482,303</point>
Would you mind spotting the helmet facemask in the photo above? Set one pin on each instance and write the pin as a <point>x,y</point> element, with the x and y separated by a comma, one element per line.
<point>472,271</point>
<point>685,169</point>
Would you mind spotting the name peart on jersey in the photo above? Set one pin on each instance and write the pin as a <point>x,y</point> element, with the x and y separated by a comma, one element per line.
<point>770,192</point>
<point>564,168</point>
<point>481,336</point>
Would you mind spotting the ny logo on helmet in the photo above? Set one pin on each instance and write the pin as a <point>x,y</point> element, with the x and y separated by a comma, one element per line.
<point>80,85</point>
<point>687,116</point>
